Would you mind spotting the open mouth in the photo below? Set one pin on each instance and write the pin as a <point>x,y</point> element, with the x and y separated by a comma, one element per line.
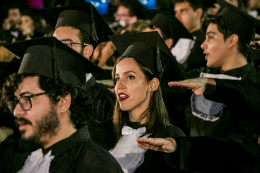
<point>122,96</point>
<point>22,123</point>
<point>206,55</point>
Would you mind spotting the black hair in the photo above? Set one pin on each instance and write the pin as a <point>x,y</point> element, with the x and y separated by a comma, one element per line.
<point>242,47</point>
<point>80,108</point>
<point>195,4</point>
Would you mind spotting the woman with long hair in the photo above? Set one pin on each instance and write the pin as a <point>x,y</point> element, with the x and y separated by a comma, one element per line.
<point>139,109</point>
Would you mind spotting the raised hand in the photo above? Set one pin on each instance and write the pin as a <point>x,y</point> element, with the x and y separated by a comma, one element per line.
<point>167,145</point>
<point>197,85</point>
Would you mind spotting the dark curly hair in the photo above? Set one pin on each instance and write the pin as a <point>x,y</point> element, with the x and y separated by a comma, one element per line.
<point>80,108</point>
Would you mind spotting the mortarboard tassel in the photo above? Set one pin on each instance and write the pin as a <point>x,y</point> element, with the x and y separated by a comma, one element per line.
<point>158,59</point>
<point>57,71</point>
<point>94,31</point>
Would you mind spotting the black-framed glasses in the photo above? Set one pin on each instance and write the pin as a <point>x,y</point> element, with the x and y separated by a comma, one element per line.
<point>70,43</point>
<point>24,102</point>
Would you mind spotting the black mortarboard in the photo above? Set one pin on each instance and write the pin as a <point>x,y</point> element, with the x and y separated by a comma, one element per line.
<point>170,25</point>
<point>239,22</point>
<point>148,49</point>
<point>49,57</point>
<point>82,16</point>
<point>137,7</point>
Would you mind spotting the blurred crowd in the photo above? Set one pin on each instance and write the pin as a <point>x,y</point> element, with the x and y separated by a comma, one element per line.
<point>21,20</point>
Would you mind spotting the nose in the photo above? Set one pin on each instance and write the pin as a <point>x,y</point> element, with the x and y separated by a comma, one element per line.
<point>18,111</point>
<point>177,15</point>
<point>204,45</point>
<point>120,84</point>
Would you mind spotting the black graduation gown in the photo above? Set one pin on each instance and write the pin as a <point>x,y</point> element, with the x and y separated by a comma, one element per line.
<point>104,103</point>
<point>77,153</point>
<point>230,143</point>
<point>199,127</point>
<point>196,58</point>
<point>154,161</point>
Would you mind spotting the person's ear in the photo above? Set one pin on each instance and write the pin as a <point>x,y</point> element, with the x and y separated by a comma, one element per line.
<point>154,84</point>
<point>88,50</point>
<point>169,42</point>
<point>199,13</point>
<point>64,103</point>
<point>233,39</point>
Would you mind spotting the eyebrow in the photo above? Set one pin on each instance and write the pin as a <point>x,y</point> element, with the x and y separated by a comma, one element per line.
<point>210,32</point>
<point>128,72</point>
<point>24,93</point>
<point>66,40</point>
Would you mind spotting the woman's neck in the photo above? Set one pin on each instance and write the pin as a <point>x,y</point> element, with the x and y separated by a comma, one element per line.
<point>137,116</point>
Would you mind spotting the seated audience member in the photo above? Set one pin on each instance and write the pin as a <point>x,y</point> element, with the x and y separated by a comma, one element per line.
<point>51,106</point>
<point>220,154</point>
<point>82,28</point>
<point>189,13</point>
<point>31,25</point>
<point>128,12</point>
<point>225,119</point>
<point>14,18</point>
<point>139,109</point>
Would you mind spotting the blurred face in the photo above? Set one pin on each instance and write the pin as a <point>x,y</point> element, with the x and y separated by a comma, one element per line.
<point>132,89</point>
<point>14,16</point>
<point>215,48</point>
<point>233,2</point>
<point>27,22</point>
<point>40,122</point>
<point>6,25</point>
<point>67,33</point>
<point>186,15</point>
<point>123,15</point>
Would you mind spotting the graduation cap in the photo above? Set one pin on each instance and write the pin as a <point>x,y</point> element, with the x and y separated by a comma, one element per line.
<point>81,16</point>
<point>49,57</point>
<point>238,21</point>
<point>148,49</point>
<point>170,25</point>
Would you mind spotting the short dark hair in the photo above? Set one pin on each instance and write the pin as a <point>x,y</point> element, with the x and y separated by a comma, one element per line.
<point>80,108</point>
<point>242,47</point>
<point>129,7</point>
<point>156,112</point>
<point>195,4</point>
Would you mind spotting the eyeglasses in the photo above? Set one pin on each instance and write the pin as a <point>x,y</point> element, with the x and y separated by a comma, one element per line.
<point>121,15</point>
<point>70,43</point>
<point>24,102</point>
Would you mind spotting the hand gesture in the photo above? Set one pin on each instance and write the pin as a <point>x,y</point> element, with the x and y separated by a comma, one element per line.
<point>167,145</point>
<point>197,85</point>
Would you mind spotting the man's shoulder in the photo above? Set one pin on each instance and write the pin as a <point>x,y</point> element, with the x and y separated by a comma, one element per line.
<point>93,156</point>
